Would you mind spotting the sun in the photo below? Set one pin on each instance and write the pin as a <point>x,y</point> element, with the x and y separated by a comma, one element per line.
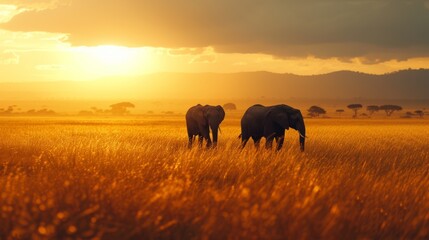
<point>112,56</point>
<point>95,62</point>
<point>107,60</point>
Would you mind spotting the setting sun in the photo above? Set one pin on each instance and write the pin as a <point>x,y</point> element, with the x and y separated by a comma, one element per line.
<point>111,60</point>
<point>112,55</point>
<point>107,60</point>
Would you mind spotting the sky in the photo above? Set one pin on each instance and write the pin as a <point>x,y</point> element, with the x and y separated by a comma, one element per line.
<point>50,40</point>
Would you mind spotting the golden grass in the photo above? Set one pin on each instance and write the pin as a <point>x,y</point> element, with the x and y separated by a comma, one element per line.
<point>135,178</point>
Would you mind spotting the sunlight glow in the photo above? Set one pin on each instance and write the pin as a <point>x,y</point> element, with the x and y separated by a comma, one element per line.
<point>112,56</point>
<point>108,60</point>
<point>96,62</point>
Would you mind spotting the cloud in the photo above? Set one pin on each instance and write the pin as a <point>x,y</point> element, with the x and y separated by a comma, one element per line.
<point>208,58</point>
<point>35,4</point>
<point>31,41</point>
<point>7,12</point>
<point>51,67</point>
<point>185,51</point>
<point>199,55</point>
<point>8,57</point>
<point>374,31</point>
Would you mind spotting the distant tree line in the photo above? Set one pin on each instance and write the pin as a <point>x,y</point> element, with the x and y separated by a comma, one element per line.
<point>388,109</point>
<point>316,111</point>
<point>15,110</point>
<point>416,113</point>
<point>117,109</point>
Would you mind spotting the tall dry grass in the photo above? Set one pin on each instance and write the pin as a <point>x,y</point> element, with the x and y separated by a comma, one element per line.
<point>135,178</point>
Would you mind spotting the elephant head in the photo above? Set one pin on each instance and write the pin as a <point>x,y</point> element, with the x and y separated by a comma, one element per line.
<point>297,123</point>
<point>287,117</point>
<point>214,116</point>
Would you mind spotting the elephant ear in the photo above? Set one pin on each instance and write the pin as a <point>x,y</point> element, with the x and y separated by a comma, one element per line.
<point>274,119</point>
<point>279,117</point>
<point>295,117</point>
<point>219,108</point>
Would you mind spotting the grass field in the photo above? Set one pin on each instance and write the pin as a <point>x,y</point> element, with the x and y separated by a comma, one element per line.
<point>134,178</point>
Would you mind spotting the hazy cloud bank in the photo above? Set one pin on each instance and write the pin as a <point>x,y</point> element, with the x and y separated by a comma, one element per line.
<point>374,31</point>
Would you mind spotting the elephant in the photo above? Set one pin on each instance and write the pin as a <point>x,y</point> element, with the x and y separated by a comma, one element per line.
<point>271,122</point>
<point>200,119</point>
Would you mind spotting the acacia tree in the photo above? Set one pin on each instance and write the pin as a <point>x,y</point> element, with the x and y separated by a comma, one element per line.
<point>389,109</point>
<point>420,113</point>
<point>121,108</point>
<point>372,109</point>
<point>98,110</point>
<point>409,114</point>
<point>316,111</point>
<point>355,107</point>
<point>339,111</point>
<point>229,106</point>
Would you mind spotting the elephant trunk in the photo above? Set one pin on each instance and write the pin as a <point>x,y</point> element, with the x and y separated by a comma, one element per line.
<point>301,130</point>
<point>215,129</point>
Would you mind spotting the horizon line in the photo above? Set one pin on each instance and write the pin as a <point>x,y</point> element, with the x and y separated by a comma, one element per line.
<point>219,73</point>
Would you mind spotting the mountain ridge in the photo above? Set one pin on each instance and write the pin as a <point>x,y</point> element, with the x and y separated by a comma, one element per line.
<point>404,84</point>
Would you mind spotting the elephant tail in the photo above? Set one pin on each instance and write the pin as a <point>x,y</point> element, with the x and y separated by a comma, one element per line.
<point>239,136</point>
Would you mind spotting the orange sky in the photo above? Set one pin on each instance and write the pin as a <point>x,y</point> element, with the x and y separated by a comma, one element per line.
<point>48,40</point>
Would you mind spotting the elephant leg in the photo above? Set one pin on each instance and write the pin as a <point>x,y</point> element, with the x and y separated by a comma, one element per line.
<point>244,142</point>
<point>269,143</point>
<point>205,134</point>
<point>191,140</point>
<point>214,144</point>
<point>200,141</point>
<point>280,141</point>
<point>209,142</point>
<point>257,142</point>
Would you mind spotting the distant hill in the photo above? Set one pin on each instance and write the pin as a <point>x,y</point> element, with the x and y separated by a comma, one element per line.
<point>406,84</point>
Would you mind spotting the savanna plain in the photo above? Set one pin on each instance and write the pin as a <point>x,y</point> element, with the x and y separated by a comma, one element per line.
<point>135,178</point>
